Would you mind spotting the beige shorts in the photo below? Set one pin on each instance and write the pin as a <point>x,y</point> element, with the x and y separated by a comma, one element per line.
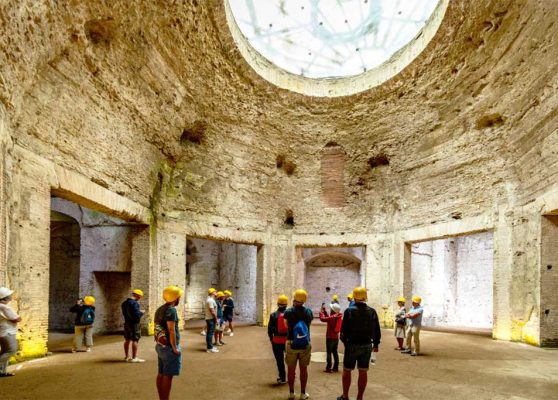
<point>292,356</point>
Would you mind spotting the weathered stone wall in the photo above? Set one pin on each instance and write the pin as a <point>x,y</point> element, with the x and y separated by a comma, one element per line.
<point>238,267</point>
<point>475,284</point>
<point>454,278</point>
<point>64,273</point>
<point>203,268</point>
<point>549,279</point>
<point>223,266</point>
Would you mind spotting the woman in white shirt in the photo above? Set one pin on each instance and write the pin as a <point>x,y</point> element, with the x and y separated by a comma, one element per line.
<point>8,331</point>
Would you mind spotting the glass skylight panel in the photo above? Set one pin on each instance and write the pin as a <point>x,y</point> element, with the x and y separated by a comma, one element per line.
<point>330,38</point>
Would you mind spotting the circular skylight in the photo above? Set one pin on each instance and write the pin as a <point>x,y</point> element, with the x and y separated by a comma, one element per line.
<point>330,38</point>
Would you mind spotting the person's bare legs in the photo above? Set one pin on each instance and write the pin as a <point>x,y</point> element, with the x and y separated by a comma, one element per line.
<point>362,382</point>
<point>303,378</point>
<point>126,347</point>
<point>159,379</point>
<point>231,326</point>
<point>164,385</point>
<point>134,349</point>
<point>346,382</point>
<point>291,376</point>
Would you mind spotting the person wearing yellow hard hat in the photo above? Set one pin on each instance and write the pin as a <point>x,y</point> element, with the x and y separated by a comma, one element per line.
<point>414,317</point>
<point>333,320</point>
<point>335,299</point>
<point>167,339</point>
<point>210,311</point>
<point>8,331</point>
<point>298,348</point>
<point>400,322</point>
<point>277,331</point>
<point>132,330</point>
<point>360,333</point>
<point>220,321</point>
<point>228,312</point>
<point>83,325</point>
<point>350,299</point>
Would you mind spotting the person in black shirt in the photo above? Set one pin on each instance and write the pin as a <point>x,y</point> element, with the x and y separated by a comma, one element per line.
<point>277,332</point>
<point>132,330</point>
<point>359,332</point>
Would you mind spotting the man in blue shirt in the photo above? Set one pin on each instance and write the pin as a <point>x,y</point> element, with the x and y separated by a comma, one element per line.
<point>293,352</point>
<point>414,319</point>
<point>132,330</point>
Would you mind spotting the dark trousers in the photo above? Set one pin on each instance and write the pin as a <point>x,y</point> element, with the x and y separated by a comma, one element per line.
<point>209,331</point>
<point>331,348</point>
<point>279,353</point>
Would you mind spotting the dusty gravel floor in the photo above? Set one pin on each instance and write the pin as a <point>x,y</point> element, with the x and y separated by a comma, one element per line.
<point>454,366</point>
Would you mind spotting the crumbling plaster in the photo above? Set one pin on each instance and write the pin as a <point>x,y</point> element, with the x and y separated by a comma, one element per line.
<point>96,95</point>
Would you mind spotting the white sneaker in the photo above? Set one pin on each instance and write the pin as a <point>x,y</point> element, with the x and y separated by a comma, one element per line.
<point>231,334</point>
<point>292,396</point>
<point>203,333</point>
<point>136,360</point>
<point>304,396</point>
<point>213,350</point>
<point>127,359</point>
<point>88,349</point>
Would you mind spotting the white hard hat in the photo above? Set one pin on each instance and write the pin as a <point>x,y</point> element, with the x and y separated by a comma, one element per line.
<point>5,292</point>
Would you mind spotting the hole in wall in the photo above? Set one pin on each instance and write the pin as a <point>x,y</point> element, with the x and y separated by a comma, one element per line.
<point>378,161</point>
<point>289,219</point>
<point>194,133</point>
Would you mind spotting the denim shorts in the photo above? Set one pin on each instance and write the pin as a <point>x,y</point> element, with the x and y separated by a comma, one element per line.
<point>357,355</point>
<point>169,363</point>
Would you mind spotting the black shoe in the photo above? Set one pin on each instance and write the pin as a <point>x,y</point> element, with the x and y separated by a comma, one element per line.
<point>406,351</point>
<point>281,381</point>
<point>342,398</point>
<point>6,375</point>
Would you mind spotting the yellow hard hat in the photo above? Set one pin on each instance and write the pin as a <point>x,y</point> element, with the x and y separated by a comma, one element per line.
<point>402,300</point>
<point>282,300</point>
<point>89,300</point>
<point>335,297</point>
<point>359,294</point>
<point>211,290</point>
<point>172,293</point>
<point>220,294</point>
<point>300,295</point>
<point>350,296</point>
<point>227,292</point>
<point>139,292</point>
<point>417,299</point>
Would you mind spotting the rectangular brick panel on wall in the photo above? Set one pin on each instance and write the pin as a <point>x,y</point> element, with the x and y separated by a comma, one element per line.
<point>332,175</point>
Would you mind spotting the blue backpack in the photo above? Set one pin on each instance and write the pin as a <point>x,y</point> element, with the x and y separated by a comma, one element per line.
<point>301,336</point>
<point>88,316</point>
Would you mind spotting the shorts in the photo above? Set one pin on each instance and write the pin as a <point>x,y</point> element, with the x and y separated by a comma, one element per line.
<point>132,332</point>
<point>292,355</point>
<point>169,363</point>
<point>228,317</point>
<point>357,355</point>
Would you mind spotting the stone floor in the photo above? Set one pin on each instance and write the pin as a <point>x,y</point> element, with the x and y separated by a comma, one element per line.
<point>454,366</point>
